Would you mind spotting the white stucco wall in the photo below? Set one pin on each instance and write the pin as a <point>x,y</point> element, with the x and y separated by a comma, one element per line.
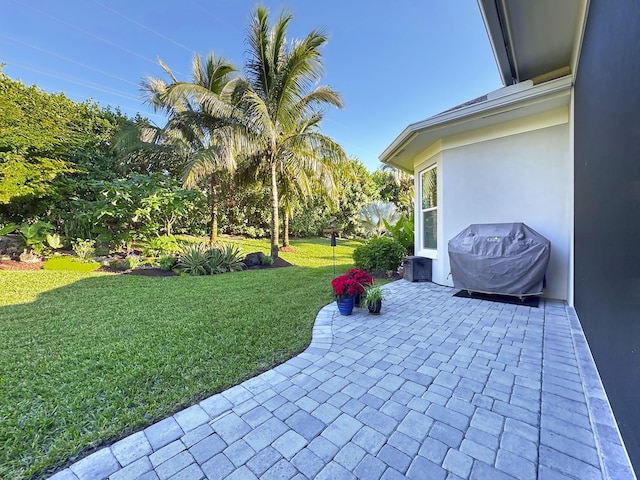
<point>522,176</point>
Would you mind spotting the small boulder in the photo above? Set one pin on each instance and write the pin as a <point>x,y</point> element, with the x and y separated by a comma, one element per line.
<point>10,245</point>
<point>29,257</point>
<point>253,260</point>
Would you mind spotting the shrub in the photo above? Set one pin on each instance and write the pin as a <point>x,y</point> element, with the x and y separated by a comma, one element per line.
<point>54,241</point>
<point>379,255</point>
<point>266,260</point>
<point>167,262</point>
<point>33,235</point>
<point>159,246</point>
<point>84,248</point>
<point>132,261</point>
<point>402,231</point>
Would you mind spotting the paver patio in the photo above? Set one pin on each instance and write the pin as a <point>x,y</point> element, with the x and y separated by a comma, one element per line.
<point>436,387</point>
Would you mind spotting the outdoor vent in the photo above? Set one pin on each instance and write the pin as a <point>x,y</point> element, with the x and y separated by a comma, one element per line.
<point>417,269</point>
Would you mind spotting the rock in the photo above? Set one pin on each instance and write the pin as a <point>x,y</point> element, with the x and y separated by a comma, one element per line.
<point>29,257</point>
<point>10,245</point>
<point>253,260</point>
<point>105,260</point>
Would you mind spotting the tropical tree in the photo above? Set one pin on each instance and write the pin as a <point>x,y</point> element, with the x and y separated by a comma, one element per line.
<point>377,215</point>
<point>278,97</point>
<point>395,186</point>
<point>51,149</point>
<point>307,166</point>
<point>200,122</point>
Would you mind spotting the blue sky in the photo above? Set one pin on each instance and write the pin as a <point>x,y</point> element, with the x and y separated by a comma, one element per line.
<point>395,62</point>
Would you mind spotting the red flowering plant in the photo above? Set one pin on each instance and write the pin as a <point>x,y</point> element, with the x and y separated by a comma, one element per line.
<point>351,283</point>
<point>362,277</point>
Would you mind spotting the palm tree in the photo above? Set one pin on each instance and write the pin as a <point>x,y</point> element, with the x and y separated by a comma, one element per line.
<point>200,116</point>
<point>278,97</point>
<point>307,165</point>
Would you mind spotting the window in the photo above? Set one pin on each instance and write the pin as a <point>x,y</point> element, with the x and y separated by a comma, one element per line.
<point>429,179</point>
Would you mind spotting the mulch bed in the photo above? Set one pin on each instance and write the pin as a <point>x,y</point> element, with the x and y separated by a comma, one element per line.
<point>15,265</point>
<point>277,263</point>
<point>144,271</point>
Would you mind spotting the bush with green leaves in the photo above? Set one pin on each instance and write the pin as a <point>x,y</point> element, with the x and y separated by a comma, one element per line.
<point>402,231</point>
<point>54,241</point>
<point>167,262</point>
<point>379,255</point>
<point>84,249</point>
<point>266,261</point>
<point>160,246</point>
<point>132,261</point>
<point>33,234</point>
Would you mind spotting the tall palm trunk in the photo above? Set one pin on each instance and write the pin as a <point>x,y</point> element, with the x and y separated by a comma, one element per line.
<point>275,236</point>
<point>213,190</point>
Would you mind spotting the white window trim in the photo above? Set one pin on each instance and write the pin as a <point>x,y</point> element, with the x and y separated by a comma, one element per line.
<point>429,252</point>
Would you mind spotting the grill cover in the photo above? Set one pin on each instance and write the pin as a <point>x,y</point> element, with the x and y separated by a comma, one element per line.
<point>500,258</point>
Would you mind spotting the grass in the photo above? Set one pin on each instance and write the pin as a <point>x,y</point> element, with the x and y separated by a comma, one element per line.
<point>88,358</point>
<point>60,262</point>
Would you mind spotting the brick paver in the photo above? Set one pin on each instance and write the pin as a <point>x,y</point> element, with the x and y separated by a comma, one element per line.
<point>435,387</point>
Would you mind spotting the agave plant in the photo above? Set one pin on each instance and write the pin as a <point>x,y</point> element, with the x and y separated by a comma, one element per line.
<point>214,261</point>
<point>232,258</point>
<point>193,259</point>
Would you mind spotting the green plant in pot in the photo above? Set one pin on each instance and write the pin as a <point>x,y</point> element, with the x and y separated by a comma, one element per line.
<point>373,300</point>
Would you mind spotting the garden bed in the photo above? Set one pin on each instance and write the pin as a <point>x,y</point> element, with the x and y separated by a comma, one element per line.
<point>15,265</point>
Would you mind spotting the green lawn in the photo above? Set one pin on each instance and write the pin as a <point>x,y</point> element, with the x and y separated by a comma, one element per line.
<point>87,358</point>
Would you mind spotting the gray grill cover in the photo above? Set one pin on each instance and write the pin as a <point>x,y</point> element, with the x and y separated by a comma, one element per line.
<point>501,258</point>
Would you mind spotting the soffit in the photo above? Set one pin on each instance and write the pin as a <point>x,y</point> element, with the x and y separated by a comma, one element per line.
<point>531,38</point>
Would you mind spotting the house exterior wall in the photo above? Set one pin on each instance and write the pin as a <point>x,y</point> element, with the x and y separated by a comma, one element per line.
<point>607,205</point>
<point>501,175</point>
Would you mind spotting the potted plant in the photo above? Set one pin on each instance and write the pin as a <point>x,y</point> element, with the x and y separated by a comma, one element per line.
<point>373,300</point>
<point>346,287</point>
<point>364,279</point>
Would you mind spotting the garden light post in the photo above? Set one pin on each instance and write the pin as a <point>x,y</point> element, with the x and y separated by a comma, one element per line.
<point>333,231</point>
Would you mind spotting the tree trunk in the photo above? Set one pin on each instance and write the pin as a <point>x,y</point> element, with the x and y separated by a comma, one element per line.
<point>275,237</point>
<point>285,234</point>
<point>213,190</point>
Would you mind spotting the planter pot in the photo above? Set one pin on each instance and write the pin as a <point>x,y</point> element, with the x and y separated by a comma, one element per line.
<point>375,307</point>
<point>356,301</point>
<point>345,305</point>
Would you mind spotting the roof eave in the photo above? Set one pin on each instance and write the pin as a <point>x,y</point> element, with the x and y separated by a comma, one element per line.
<point>392,154</point>
<point>494,25</point>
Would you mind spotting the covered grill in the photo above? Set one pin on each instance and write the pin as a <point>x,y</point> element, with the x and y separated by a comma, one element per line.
<point>499,258</point>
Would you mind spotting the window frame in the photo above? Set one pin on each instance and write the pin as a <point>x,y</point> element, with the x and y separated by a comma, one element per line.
<point>430,209</point>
